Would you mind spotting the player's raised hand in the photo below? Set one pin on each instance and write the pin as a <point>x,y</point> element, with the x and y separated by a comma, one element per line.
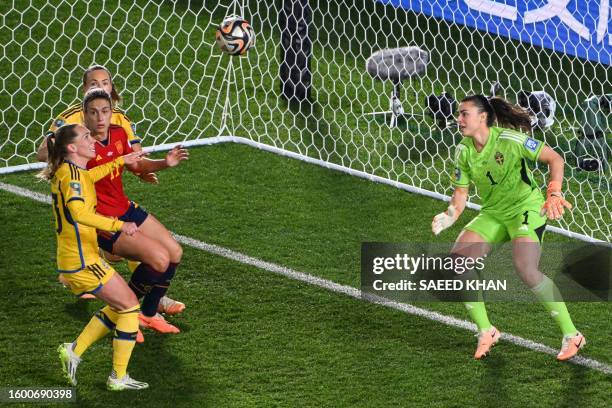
<point>129,228</point>
<point>555,205</point>
<point>150,178</point>
<point>176,155</point>
<point>444,220</point>
<point>134,157</point>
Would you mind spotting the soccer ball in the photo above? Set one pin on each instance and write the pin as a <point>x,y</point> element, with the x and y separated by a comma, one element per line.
<point>235,36</point>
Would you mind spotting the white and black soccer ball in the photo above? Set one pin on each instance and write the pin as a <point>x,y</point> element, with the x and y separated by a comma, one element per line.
<point>235,36</point>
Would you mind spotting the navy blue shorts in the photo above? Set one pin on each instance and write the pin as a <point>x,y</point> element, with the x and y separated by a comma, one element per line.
<point>134,214</point>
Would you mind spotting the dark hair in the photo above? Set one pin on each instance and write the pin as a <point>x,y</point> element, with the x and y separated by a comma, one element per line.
<point>93,94</point>
<point>57,146</point>
<point>506,114</point>
<point>116,99</point>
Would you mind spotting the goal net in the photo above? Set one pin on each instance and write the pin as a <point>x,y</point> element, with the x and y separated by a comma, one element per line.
<point>177,86</point>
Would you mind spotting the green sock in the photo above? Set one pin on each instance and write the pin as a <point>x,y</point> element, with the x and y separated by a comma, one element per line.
<point>478,314</point>
<point>548,292</point>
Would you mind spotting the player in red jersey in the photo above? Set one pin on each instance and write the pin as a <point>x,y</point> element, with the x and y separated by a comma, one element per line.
<point>153,245</point>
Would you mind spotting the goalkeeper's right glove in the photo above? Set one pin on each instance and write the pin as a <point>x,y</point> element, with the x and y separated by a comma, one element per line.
<point>555,204</point>
<point>444,220</point>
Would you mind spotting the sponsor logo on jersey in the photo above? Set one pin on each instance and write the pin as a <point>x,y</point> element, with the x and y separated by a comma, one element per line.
<point>109,153</point>
<point>133,126</point>
<point>457,173</point>
<point>531,144</point>
<point>499,158</point>
<point>59,122</point>
<point>119,147</point>
<point>98,158</point>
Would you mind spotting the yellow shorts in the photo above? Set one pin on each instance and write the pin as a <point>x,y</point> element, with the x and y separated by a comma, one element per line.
<point>91,279</point>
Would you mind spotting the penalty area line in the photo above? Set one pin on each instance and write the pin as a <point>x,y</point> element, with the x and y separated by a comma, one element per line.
<point>342,289</point>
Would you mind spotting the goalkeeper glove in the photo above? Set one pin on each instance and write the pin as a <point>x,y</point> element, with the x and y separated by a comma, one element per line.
<point>444,220</point>
<point>554,205</point>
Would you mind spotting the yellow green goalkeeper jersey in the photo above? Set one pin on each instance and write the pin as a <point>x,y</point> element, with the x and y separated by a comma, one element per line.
<point>500,171</point>
<point>74,115</point>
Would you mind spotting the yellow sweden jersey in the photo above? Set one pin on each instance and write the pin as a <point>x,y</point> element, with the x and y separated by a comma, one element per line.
<point>74,202</point>
<point>74,114</point>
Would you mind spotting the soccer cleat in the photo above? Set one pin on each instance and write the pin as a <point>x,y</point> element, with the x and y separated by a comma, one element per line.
<point>124,383</point>
<point>157,323</point>
<point>70,362</point>
<point>570,346</point>
<point>170,306</point>
<point>486,340</point>
<point>139,337</point>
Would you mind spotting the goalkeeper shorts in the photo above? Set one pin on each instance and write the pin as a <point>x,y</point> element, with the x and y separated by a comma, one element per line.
<point>493,230</point>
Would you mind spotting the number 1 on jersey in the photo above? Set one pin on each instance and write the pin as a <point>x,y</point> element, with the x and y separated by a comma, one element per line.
<point>493,182</point>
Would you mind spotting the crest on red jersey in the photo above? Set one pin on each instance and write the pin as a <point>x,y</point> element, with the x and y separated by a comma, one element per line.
<point>119,147</point>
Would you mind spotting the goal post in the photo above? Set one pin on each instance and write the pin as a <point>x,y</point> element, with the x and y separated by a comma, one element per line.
<point>178,87</point>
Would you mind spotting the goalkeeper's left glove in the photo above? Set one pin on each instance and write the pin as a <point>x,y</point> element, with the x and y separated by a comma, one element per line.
<point>554,205</point>
<point>444,220</point>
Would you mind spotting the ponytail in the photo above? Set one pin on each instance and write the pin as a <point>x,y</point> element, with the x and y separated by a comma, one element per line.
<point>506,114</point>
<point>57,147</point>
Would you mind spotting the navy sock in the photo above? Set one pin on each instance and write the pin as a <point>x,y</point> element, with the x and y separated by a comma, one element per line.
<point>143,279</point>
<point>159,289</point>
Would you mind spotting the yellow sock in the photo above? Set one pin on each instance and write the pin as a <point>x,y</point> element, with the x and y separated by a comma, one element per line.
<point>124,339</point>
<point>99,326</point>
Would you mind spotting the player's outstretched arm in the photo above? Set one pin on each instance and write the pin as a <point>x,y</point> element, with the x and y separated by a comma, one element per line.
<point>42,154</point>
<point>555,205</point>
<point>173,158</point>
<point>146,177</point>
<point>446,219</point>
<point>101,171</point>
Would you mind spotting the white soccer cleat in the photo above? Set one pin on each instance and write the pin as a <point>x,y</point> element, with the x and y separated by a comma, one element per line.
<point>124,383</point>
<point>70,362</point>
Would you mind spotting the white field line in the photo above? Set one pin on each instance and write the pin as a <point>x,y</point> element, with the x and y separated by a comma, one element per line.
<point>343,289</point>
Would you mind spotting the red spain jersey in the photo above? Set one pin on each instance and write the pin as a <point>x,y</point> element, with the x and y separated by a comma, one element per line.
<point>112,201</point>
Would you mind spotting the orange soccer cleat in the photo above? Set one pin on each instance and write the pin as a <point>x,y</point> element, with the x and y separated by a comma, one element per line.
<point>157,323</point>
<point>486,340</point>
<point>170,306</point>
<point>570,346</point>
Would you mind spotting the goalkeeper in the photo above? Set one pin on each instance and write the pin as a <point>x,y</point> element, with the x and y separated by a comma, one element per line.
<point>495,159</point>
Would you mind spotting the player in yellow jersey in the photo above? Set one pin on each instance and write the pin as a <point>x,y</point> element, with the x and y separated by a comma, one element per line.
<point>74,201</point>
<point>97,76</point>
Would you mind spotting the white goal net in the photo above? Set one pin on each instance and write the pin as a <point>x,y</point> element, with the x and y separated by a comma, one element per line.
<point>177,86</point>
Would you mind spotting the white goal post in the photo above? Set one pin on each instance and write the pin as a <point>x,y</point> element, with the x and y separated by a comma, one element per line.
<point>178,87</point>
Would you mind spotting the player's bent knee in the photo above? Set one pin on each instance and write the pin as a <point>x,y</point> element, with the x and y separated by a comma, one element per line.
<point>176,252</point>
<point>160,261</point>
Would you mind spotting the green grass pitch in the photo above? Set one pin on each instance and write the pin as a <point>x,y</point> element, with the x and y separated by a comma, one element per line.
<point>252,338</point>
